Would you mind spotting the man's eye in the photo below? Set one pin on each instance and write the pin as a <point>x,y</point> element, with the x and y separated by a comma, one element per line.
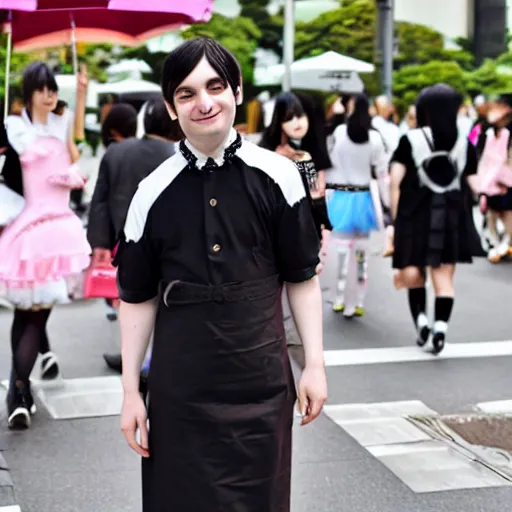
<point>185,96</point>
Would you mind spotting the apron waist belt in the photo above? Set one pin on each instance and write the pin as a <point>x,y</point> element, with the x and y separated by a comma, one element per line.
<point>182,292</point>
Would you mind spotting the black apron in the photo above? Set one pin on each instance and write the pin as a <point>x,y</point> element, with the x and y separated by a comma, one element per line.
<point>221,399</point>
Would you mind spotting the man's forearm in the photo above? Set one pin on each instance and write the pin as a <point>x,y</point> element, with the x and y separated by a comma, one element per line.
<point>306,306</point>
<point>136,323</point>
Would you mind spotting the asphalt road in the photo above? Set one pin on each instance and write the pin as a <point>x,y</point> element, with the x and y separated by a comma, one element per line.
<point>358,456</point>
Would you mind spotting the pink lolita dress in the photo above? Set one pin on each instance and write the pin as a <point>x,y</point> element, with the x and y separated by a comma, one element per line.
<point>46,243</point>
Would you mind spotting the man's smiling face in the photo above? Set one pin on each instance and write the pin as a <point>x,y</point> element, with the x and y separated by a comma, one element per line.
<point>204,104</point>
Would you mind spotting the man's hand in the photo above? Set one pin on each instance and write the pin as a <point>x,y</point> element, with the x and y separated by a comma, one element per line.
<point>312,393</point>
<point>133,418</point>
<point>101,257</point>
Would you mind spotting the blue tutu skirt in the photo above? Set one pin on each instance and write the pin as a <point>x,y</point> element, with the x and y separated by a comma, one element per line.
<point>352,212</point>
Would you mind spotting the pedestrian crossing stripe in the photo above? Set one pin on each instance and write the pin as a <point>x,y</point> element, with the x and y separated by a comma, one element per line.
<point>423,462</point>
<point>366,356</point>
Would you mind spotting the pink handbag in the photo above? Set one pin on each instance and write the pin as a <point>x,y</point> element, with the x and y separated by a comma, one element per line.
<point>101,282</point>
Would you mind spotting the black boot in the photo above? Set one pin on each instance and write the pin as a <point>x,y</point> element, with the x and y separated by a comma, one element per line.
<point>20,404</point>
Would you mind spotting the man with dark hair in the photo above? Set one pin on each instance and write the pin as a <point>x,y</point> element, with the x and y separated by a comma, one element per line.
<point>210,238</point>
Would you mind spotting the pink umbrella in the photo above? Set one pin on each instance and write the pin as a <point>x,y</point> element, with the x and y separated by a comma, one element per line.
<point>38,24</point>
<point>47,23</point>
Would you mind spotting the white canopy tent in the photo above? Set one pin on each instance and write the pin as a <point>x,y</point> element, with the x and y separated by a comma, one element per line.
<point>330,71</point>
<point>128,86</point>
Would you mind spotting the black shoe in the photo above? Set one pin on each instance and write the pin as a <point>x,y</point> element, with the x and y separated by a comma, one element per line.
<point>20,405</point>
<point>423,335</point>
<point>50,366</point>
<point>438,342</point>
<point>114,362</point>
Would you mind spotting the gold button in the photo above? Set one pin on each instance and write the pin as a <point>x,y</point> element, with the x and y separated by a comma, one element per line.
<point>213,202</point>
<point>216,248</point>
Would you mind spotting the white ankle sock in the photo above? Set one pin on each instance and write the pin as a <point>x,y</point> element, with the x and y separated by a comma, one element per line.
<point>440,326</point>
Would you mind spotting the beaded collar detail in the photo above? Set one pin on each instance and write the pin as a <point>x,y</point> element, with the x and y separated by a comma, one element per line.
<point>202,162</point>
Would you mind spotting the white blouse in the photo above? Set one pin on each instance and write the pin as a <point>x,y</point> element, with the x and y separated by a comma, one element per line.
<point>352,163</point>
<point>22,132</point>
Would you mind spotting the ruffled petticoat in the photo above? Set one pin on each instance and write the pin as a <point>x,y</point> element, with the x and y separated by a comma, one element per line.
<point>39,258</point>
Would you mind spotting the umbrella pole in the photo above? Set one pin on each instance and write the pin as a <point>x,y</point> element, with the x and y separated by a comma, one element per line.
<point>7,67</point>
<point>73,45</point>
<point>288,43</point>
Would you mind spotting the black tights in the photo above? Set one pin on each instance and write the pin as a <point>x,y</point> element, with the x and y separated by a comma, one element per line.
<point>28,338</point>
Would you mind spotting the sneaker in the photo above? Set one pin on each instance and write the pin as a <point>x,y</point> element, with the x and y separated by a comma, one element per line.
<point>49,366</point>
<point>338,308</point>
<point>20,405</point>
<point>360,311</point>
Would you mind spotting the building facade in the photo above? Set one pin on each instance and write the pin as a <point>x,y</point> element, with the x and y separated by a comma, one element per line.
<point>484,21</point>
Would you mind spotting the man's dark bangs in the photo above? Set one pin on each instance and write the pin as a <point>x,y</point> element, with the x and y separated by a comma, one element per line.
<point>183,60</point>
<point>36,77</point>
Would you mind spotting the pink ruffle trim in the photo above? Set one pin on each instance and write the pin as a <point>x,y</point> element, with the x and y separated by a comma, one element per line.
<point>30,273</point>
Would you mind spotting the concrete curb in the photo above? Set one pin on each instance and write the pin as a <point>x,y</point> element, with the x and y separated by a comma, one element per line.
<point>7,496</point>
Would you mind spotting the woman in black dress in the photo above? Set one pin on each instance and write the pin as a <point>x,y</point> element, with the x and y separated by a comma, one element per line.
<point>297,133</point>
<point>431,174</point>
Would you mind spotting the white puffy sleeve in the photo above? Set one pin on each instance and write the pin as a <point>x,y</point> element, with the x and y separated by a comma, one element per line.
<point>20,134</point>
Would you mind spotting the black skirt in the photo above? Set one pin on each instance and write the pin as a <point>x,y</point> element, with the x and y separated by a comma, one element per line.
<point>501,203</point>
<point>434,229</point>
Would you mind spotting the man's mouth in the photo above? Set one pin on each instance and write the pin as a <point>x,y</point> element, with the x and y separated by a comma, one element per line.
<point>204,119</point>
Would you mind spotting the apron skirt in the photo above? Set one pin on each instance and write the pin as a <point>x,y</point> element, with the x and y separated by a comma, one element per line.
<point>221,400</point>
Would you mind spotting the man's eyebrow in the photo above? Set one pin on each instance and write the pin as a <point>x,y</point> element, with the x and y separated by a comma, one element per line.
<point>216,80</point>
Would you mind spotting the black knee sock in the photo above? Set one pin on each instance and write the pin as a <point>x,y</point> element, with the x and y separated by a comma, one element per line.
<point>44,344</point>
<point>417,302</point>
<point>443,311</point>
<point>25,341</point>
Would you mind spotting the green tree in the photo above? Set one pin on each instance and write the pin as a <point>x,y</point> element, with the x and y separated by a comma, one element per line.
<point>271,27</point>
<point>410,80</point>
<point>417,44</point>
<point>349,30</point>
<point>239,35</point>
<point>487,80</point>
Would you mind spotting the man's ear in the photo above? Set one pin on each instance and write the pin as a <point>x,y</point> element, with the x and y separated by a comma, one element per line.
<point>239,96</point>
<point>171,111</point>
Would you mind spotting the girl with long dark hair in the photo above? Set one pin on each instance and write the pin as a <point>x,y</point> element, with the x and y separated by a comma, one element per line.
<point>357,155</point>
<point>297,131</point>
<point>431,172</point>
<point>46,244</point>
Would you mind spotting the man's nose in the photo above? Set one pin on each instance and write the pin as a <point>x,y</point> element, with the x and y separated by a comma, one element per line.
<point>204,102</point>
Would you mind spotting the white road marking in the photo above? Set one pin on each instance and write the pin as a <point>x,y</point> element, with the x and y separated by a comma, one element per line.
<point>358,357</point>
<point>11,508</point>
<point>497,407</point>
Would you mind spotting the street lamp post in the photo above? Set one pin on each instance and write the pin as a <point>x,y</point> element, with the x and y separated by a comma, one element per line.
<point>386,42</point>
<point>288,43</point>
